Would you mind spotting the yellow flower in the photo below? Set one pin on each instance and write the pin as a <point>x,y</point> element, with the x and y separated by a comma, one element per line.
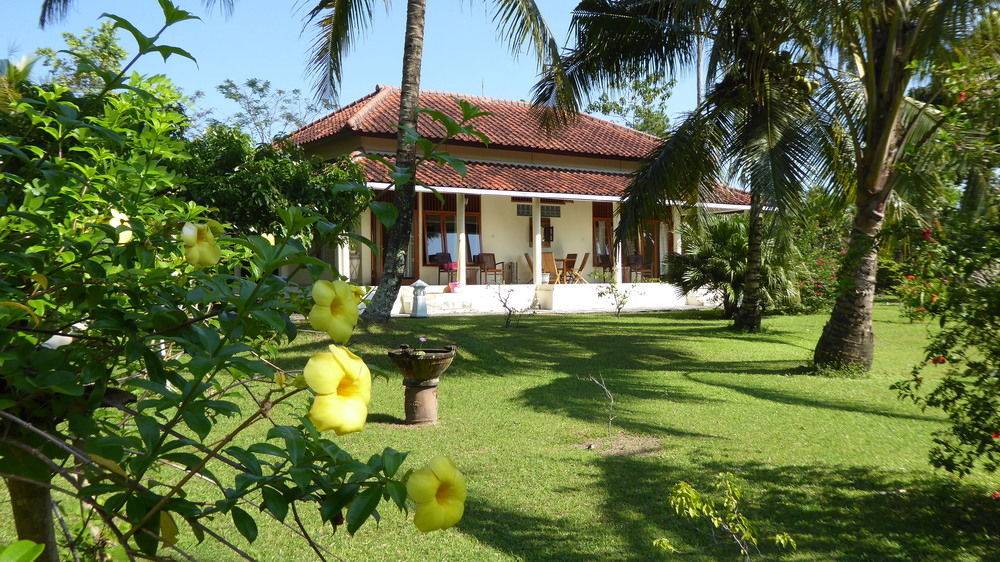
<point>119,218</point>
<point>199,245</point>
<point>336,309</point>
<point>439,492</point>
<point>343,387</point>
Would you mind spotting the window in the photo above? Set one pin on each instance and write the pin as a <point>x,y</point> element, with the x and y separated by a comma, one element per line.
<point>602,233</point>
<point>441,231</point>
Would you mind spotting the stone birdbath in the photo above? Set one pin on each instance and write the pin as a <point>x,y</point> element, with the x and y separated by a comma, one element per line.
<point>421,370</point>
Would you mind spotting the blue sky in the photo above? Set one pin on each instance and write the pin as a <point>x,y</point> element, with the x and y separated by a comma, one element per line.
<point>265,39</point>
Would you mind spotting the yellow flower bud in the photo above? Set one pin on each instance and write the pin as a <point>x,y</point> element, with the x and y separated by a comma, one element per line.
<point>343,387</point>
<point>438,489</point>
<point>199,245</point>
<point>336,309</point>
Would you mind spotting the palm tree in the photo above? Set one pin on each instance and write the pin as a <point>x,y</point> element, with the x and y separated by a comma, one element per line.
<point>714,257</point>
<point>753,120</point>
<point>339,25</point>
<point>882,45</point>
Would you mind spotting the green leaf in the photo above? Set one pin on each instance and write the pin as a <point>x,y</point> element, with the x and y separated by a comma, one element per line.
<point>385,212</point>
<point>391,460</point>
<point>362,507</point>
<point>21,551</point>
<point>141,40</point>
<point>397,491</point>
<point>149,430</point>
<point>167,50</point>
<point>275,502</point>
<point>244,524</point>
<point>172,14</point>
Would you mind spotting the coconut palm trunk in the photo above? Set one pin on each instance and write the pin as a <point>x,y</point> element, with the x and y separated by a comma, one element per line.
<point>749,314</point>
<point>848,339</point>
<point>398,239</point>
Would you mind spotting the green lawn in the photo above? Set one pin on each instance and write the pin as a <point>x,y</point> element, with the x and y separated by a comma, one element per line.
<point>840,464</point>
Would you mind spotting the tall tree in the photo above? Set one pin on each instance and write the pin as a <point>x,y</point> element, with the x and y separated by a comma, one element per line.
<point>99,46</point>
<point>882,45</point>
<point>640,103</point>
<point>752,123</point>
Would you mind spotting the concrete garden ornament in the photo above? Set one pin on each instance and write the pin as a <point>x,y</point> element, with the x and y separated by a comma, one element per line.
<point>336,309</point>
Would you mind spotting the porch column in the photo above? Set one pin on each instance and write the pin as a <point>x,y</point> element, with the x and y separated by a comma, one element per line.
<point>343,258</point>
<point>460,227</point>
<point>676,213</point>
<point>616,254</point>
<point>536,244</point>
<point>418,237</point>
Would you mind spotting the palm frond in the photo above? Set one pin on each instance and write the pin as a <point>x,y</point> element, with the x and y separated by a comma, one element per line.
<point>338,25</point>
<point>614,39</point>
<point>684,169</point>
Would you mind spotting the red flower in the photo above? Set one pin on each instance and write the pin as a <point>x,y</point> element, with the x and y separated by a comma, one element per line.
<point>934,297</point>
<point>962,96</point>
<point>996,495</point>
<point>911,277</point>
<point>843,251</point>
<point>938,360</point>
<point>926,234</point>
<point>920,309</point>
<point>995,435</point>
<point>945,281</point>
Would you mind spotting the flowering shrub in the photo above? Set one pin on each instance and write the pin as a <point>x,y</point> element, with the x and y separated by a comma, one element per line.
<point>963,358</point>
<point>128,320</point>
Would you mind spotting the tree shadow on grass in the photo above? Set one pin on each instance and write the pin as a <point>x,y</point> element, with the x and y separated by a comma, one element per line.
<point>843,513</point>
<point>523,536</point>
<point>784,397</point>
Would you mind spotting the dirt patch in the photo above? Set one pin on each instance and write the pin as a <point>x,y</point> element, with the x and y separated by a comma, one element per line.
<point>623,445</point>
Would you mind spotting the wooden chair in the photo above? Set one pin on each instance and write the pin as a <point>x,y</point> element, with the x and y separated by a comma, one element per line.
<point>443,261</point>
<point>549,266</point>
<point>569,266</point>
<point>488,265</point>
<point>576,275</point>
<point>636,267</point>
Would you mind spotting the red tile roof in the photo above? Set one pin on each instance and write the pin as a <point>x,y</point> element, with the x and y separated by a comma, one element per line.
<point>512,125</point>
<point>502,177</point>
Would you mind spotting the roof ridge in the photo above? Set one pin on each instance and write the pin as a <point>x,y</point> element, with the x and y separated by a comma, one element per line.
<point>334,113</point>
<point>374,99</point>
<point>469,97</point>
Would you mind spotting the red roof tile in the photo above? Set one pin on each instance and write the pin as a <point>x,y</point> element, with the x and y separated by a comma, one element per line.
<point>502,177</point>
<point>512,125</point>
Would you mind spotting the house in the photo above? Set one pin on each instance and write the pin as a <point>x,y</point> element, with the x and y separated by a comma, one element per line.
<point>526,193</point>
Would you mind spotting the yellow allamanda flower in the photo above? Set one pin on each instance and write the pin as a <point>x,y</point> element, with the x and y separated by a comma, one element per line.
<point>200,248</point>
<point>336,309</point>
<point>343,387</point>
<point>438,489</point>
<point>118,219</point>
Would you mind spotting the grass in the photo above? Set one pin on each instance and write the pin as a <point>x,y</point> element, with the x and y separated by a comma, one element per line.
<point>839,463</point>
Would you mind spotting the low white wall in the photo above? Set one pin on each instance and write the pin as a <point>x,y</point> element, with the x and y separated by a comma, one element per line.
<point>486,299</point>
<point>471,299</point>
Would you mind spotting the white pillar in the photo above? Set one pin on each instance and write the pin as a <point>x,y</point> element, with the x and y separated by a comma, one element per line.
<point>536,244</point>
<point>418,235</point>
<point>616,254</point>
<point>676,213</point>
<point>460,219</point>
<point>344,259</point>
